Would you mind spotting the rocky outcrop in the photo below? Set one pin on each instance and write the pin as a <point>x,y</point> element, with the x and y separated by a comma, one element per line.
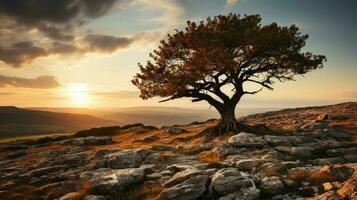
<point>173,164</point>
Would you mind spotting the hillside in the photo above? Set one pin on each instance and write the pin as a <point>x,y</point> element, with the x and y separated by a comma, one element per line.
<point>18,121</point>
<point>312,155</point>
<point>153,115</point>
<point>159,116</point>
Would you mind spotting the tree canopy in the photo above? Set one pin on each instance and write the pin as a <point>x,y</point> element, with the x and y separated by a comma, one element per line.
<point>224,51</point>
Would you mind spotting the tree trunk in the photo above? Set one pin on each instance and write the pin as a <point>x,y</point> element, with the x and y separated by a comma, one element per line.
<point>227,124</point>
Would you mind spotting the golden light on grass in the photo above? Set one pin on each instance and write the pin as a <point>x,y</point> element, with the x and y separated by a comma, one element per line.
<point>78,92</point>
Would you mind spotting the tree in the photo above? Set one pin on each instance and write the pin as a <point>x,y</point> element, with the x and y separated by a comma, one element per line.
<point>207,58</point>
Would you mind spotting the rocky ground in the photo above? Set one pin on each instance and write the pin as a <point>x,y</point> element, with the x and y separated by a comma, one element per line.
<point>312,155</point>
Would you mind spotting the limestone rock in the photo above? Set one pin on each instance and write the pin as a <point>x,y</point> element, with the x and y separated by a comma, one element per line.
<point>246,140</point>
<point>298,152</point>
<point>181,176</point>
<point>107,181</point>
<point>278,168</point>
<point>230,180</point>
<point>274,141</point>
<point>249,164</point>
<point>271,186</point>
<point>128,158</point>
<point>191,189</point>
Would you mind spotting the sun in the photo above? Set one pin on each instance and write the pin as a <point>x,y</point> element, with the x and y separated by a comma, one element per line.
<point>78,92</point>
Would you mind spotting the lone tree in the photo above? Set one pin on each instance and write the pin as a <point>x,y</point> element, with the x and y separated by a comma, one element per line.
<point>213,60</point>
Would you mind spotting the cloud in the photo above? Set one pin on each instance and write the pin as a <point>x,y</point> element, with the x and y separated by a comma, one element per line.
<point>106,43</point>
<point>64,48</point>
<point>21,53</point>
<point>56,16</point>
<point>40,28</point>
<point>41,82</point>
<point>27,28</point>
<point>119,94</point>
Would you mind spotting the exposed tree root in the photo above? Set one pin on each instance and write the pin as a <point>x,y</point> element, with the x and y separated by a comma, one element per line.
<point>234,127</point>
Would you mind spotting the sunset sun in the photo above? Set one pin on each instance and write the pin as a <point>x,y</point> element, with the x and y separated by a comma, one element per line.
<point>78,93</point>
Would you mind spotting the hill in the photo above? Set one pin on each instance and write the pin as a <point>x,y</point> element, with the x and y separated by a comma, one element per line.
<point>18,121</point>
<point>152,115</point>
<point>313,156</point>
<point>159,116</point>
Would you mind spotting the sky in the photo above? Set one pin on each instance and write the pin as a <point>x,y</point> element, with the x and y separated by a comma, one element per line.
<point>83,53</point>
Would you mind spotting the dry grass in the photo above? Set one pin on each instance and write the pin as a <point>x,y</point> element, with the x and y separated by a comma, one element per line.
<point>129,139</point>
<point>210,157</point>
<point>326,174</point>
<point>83,188</point>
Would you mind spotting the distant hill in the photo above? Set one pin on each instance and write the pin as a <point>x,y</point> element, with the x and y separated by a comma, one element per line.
<point>158,116</point>
<point>153,115</point>
<point>19,121</point>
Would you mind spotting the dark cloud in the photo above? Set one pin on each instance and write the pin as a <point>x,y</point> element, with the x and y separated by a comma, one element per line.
<point>25,52</point>
<point>119,94</point>
<point>106,43</point>
<point>55,33</point>
<point>41,82</point>
<point>21,53</point>
<point>55,12</point>
<point>64,48</point>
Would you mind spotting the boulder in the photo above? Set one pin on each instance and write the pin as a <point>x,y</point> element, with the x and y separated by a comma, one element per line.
<point>249,164</point>
<point>224,149</point>
<point>274,141</point>
<point>106,181</point>
<point>297,152</point>
<point>180,167</point>
<point>128,158</point>
<point>230,180</point>
<point>190,149</point>
<point>271,186</point>
<point>277,169</point>
<point>248,140</point>
<point>191,189</point>
<point>181,176</point>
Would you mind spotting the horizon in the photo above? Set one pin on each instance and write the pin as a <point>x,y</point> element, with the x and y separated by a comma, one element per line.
<point>87,59</point>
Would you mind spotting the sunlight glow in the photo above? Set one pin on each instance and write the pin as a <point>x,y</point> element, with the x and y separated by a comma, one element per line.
<point>78,92</point>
